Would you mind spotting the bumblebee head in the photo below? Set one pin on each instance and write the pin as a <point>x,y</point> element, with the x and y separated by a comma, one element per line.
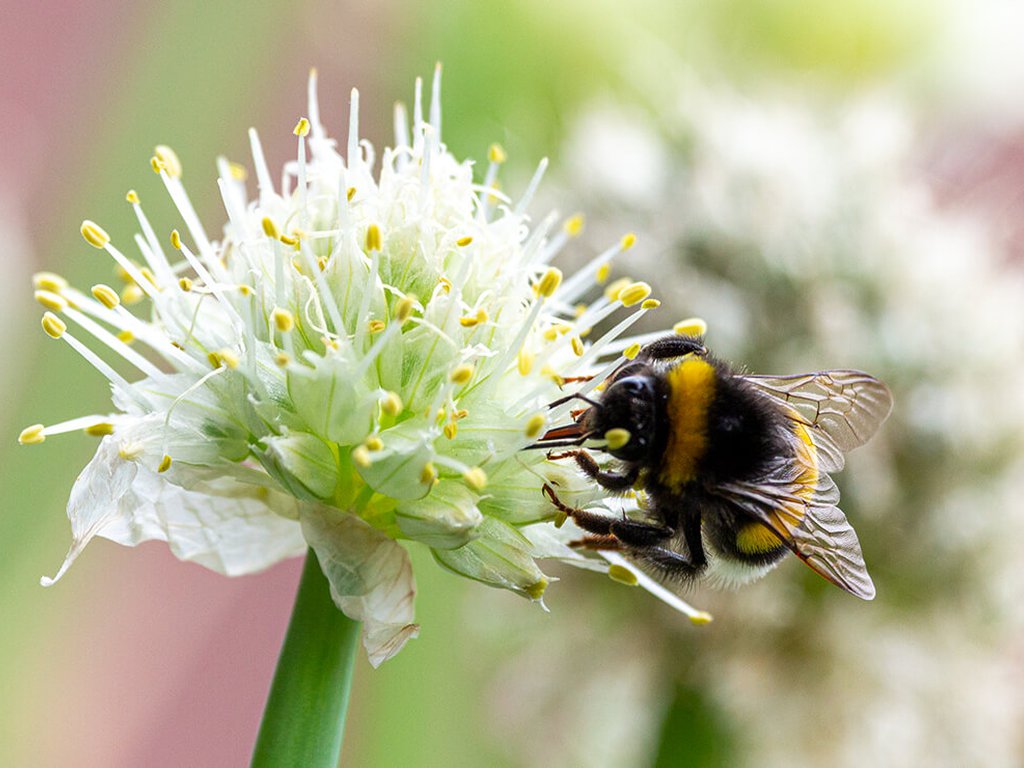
<point>627,417</point>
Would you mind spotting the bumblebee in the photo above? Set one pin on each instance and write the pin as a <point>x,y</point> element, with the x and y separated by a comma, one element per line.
<point>732,469</point>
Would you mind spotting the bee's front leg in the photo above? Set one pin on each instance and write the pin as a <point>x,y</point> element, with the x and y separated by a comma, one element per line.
<point>612,481</point>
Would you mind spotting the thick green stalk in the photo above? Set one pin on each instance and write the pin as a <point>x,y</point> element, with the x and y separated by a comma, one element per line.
<point>304,719</point>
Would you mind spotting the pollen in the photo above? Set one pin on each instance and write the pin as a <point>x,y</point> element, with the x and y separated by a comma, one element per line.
<point>105,295</point>
<point>49,281</point>
<point>32,435</point>
<point>270,228</point>
<point>284,320</point>
<point>373,443</point>
<point>577,346</point>
<point>52,301</point>
<point>165,464</point>
<point>622,574</point>
<point>94,234</point>
<point>475,478</point>
<point>428,474</point>
<point>373,238</point>
<point>549,282</point>
<point>573,226</point>
<point>692,326</point>
<point>536,590</point>
<point>631,351</point>
<point>361,456</point>
<point>391,404</point>
<point>628,241</point>
<point>461,374</point>
<point>302,127</point>
<point>186,285</point>
<point>404,308</point>
<point>168,158</point>
<point>701,617</point>
<point>496,154</point>
<point>176,239</point>
<point>102,429</point>
<point>602,273</point>
<point>53,325</point>
<point>132,197</point>
<point>634,293</point>
<point>650,304</point>
<point>451,429</point>
<point>617,438</point>
<point>534,425</point>
<point>462,242</point>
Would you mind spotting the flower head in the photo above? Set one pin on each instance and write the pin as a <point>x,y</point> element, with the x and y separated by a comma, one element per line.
<point>359,359</point>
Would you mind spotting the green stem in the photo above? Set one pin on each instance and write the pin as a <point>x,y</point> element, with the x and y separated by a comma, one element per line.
<point>304,719</point>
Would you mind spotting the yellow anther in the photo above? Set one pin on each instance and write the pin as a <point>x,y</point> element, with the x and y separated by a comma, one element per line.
<point>461,413</point>
<point>169,159</point>
<point>185,284</point>
<point>650,304</point>
<point>175,239</point>
<point>445,283</point>
<point>373,238</point>
<point>132,294</point>
<point>451,429</point>
<point>602,273</point>
<point>238,171</point>
<point>391,404</point>
<point>350,193</point>
<point>132,197</point>
<point>428,474</point>
<point>615,288</point>
<point>130,451</point>
<point>125,336</point>
<point>631,351</point>
<point>622,574</point>
<point>53,325</point>
<point>617,438</point>
<point>634,293</point>
<point>283,319</point>
<point>52,301</point>
<point>691,326</point>
<point>496,154</point>
<point>106,295</point>
<point>290,240</point>
<point>579,310</point>
<point>577,346</point>
<point>32,435</point>
<point>165,464</point>
<point>536,590</point>
<point>468,322</point>
<point>361,456</point>
<point>461,374</point>
<point>701,618</point>
<point>94,234</point>
<point>49,281</point>
<point>301,127</point>
<point>534,425</point>
<point>270,228</point>
<point>462,242</point>
<point>282,359</point>
<point>550,334</point>
<point>156,165</point>
<point>373,443</point>
<point>102,429</point>
<point>574,225</point>
<point>376,326</point>
<point>229,358</point>
<point>322,262</point>
<point>549,282</point>
<point>147,273</point>
<point>475,478</point>
<point>482,316</point>
<point>552,374</point>
<point>628,241</point>
<point>404,308</point>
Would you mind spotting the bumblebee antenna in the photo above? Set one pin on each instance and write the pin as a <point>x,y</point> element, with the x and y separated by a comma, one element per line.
<point>574,396</point>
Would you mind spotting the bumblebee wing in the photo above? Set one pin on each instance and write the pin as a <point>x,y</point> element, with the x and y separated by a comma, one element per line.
<point>841,410</point>
<point>798,504</point>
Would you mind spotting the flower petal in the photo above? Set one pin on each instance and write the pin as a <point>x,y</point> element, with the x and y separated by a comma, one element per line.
<point>370,575</point>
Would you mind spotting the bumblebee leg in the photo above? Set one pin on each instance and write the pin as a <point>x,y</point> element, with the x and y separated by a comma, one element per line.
<point>613,481</point>
<point>606,543</point>
<point>638,534</point>
<point>671,563</point>
<point>672,346</point>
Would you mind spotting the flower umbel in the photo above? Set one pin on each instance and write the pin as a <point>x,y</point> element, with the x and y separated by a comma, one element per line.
<point>358,360</point>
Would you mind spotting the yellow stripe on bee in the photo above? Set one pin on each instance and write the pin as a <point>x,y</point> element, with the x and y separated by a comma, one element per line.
<point>691,390</point>
<point>754,538</point>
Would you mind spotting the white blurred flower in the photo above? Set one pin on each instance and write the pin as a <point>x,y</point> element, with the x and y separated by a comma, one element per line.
<point>359,360</point>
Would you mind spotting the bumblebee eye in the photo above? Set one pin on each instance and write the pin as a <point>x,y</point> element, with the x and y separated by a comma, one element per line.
<point>633,387</point>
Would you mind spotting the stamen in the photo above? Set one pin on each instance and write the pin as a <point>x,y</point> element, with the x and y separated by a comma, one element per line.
<point>461,374</point>
<point>283,319</point>
<point>622,574</point>
<point>549,282</point>
<point>531,188</point>
<point>32,435</point>
<point>692,326</point>
<point>49,281</point>
<point>634,293</point>
<point>475,478</point>
<point>534,425</point>
<point>361,456</point>
<point>52,301</point>
<point>165,464</point>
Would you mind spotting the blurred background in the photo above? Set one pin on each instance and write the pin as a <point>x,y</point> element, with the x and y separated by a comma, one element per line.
<point>836,186</point>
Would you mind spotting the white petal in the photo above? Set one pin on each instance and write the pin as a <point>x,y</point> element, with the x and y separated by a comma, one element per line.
<point>227,526</point>
<point>370,576</point>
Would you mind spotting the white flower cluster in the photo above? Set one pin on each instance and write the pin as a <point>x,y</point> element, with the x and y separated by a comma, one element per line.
<point>361,358</point>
